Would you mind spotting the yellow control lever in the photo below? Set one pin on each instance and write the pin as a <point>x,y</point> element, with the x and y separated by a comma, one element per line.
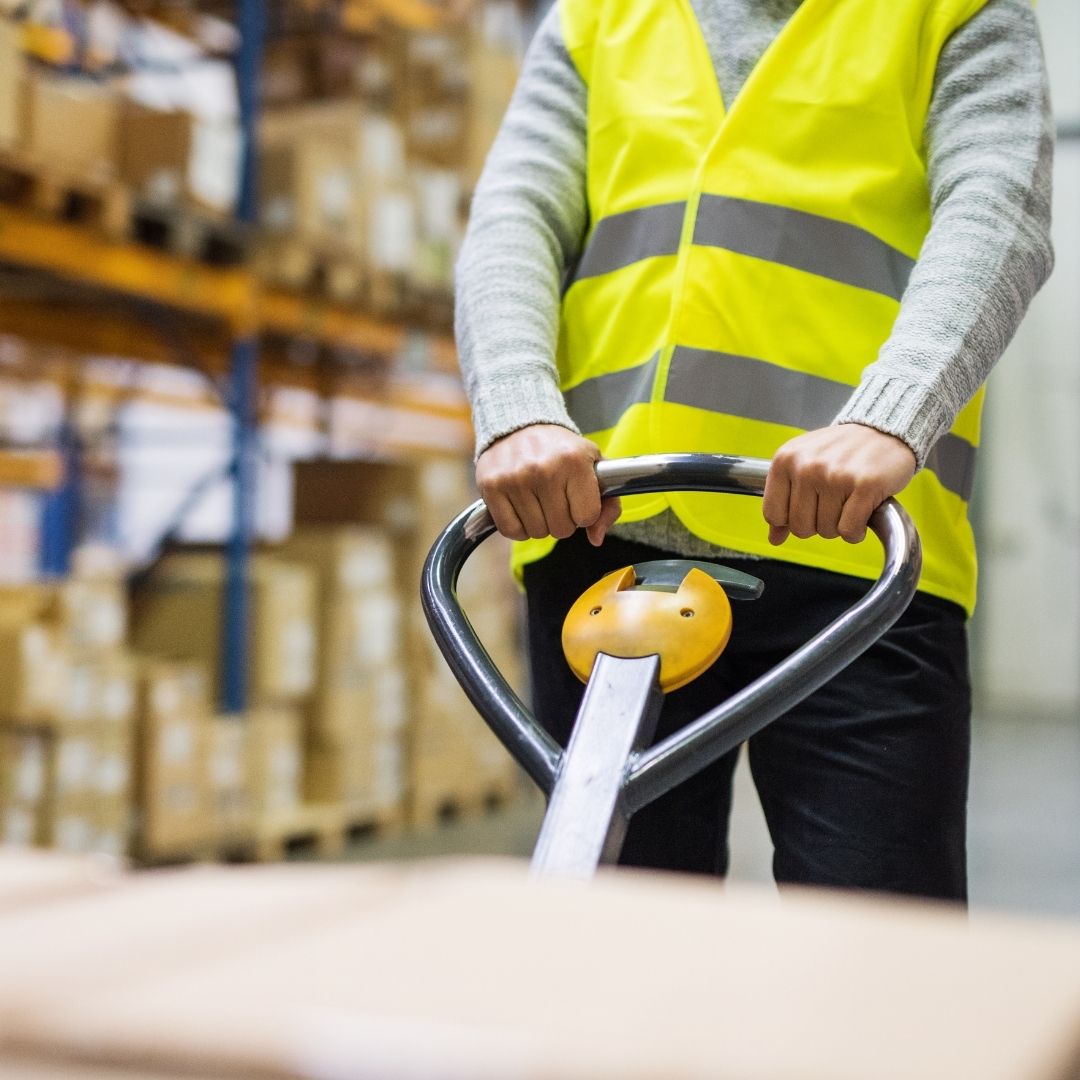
<point>688,629</point>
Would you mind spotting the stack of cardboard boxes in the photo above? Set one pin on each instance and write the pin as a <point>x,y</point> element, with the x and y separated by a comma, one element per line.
<point>456,762</point>
<point>170,141</point>
<point>352,708</point>
<point>379,174</point>
<point>451,759</point>
<point>67,713</point>
<point>327,682</point>
<point>335,201</point>
<point>251,766</point>
<point>369,145</point>
<point>172,743</point>
<point>355,719</point>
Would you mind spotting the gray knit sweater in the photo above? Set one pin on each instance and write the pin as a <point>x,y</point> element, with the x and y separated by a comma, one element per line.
<point>990,146</point>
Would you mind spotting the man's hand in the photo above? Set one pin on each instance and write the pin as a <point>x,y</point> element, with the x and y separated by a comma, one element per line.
<point>828,482</point>
<point>540,481</point>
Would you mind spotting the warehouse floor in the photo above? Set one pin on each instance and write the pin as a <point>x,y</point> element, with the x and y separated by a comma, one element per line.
<point>1024,826</point>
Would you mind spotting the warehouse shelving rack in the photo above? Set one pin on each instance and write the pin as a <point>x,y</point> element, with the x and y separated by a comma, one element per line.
<point>122,299</point>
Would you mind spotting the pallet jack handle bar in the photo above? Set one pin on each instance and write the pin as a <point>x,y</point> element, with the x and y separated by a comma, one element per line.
<point>655,771</point>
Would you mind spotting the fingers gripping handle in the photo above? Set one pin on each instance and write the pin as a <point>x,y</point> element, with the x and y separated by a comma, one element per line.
<point>681,755</point>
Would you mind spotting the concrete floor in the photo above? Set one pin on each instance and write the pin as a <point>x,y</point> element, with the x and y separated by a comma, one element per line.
<point>1024,822</point>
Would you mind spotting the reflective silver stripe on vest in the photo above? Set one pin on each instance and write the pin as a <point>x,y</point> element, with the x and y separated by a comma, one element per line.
<point>623,239</point>
<point>952,461</point>
<point>818,245</point>
<point>752,389</point>
<point>756,390</point>
<point>597,404</point>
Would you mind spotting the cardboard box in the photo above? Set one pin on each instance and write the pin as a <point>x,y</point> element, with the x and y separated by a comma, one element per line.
<point>230,776</point>
<point>364,634</point>
<point>286,75</point>
<point>360,631</point>
<point>178,616</point>
<point>12,85</point>
<point>453,757</point>
<point>118,684</point>
<point>284,630</point>
<point>72,126</point>
<point>70,825</point>
<point>155,149</point>
<point>32,671</point>
<point>171,769</point>
<point>67,809</point>
<point>343,772</point>
<point>94,612</point>
<point>275,743</point>
<point>350,559</point>
<point>113,776</point>
<point>433,97</point>
<point>112,827</point>
<point>311,176</point>
<point>493,73</point>
<point>311,190</point>
<point>88,804</point>
<point>241,973</point>
<point>82,692</point>
<point>382,494</point>
<point>65,782</point>
<point>34,601</point>
<point>24,772</point>
<point>213,176</point>
<point>88,615</point>
<point>320,65</point>
<point>392,232</point>
<point>24,765</point>
<point>439,229</point>
<point>356,753</point>
<point>20,826</point>
<point>413,503</point>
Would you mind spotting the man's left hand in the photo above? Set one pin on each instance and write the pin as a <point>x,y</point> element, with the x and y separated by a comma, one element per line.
<point>829,482</point>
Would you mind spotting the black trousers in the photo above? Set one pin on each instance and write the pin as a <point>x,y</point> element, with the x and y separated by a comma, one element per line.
<point>863,785</point>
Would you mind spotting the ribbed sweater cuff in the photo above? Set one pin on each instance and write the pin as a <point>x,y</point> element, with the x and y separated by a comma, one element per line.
<point>509,404</point>
<point>898,407</point>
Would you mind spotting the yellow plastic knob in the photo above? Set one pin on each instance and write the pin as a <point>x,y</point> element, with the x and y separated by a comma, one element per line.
<point>687,629</point>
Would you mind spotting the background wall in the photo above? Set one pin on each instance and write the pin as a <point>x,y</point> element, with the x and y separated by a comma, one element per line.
<point>1027,631</point>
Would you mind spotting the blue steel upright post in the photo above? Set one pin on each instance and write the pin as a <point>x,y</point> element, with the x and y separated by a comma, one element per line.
<point>61,509</point>
<point>243,385</point>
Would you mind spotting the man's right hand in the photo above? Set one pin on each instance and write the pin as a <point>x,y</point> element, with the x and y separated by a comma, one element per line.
<point>541,481</point>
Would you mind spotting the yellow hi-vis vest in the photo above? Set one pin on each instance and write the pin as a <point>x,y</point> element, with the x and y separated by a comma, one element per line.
<point>744,265</point>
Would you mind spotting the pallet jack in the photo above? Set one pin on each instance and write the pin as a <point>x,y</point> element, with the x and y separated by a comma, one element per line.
<point>635,635</point>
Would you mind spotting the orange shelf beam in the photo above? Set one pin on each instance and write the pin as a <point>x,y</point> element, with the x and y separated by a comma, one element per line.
<point>292,315</point>
<point>81,256</point>
<point>39,469</point>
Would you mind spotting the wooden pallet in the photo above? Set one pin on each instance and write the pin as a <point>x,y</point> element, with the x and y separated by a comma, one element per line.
<point>99,203</point>
<point>190,233</point>
<point>315,827</point>
<point>365,822</point>
<point>433,807</point>
<point>306,266</point>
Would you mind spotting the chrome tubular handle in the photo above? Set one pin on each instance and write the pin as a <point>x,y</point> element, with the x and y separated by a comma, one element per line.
<point>681,755</point>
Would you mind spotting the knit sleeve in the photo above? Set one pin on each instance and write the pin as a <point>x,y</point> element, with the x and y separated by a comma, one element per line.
<point>526,227</point>
<point>990,150</point>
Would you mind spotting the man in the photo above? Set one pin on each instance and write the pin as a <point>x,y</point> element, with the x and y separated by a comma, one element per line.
<point>802,231</point>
